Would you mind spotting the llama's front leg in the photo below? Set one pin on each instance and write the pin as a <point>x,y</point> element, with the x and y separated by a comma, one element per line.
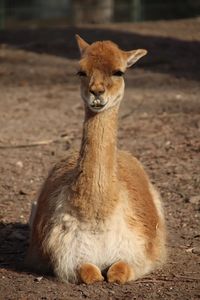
<point>90,273</point>
<point>120,272</point>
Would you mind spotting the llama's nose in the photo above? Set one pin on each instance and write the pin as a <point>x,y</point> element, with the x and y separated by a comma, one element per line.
<point>97,91</point>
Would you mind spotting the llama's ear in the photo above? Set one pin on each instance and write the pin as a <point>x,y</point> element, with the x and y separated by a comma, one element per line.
<point>133,56</point>
<point>81,44</point>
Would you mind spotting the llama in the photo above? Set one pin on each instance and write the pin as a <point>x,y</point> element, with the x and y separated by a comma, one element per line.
<point>98,216</point>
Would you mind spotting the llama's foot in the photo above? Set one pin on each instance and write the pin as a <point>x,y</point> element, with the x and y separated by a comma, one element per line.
<point>90,273</point>
<point>120,272</point>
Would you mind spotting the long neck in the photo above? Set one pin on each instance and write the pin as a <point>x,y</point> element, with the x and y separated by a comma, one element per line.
<point>97,161</point>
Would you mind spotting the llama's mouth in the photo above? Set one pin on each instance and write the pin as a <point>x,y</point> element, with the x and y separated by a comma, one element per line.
<point>97,105</point>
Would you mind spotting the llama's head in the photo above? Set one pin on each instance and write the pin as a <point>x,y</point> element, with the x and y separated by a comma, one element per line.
<point>101,70</point>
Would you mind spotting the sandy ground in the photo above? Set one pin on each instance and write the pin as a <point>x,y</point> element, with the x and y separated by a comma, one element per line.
<point>159,123</point>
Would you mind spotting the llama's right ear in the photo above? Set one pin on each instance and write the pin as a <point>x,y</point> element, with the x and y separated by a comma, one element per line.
<point>81,44</point>
<point>133,56</point>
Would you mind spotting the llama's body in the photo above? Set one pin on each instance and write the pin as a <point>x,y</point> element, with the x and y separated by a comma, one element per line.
<point>98,210</point>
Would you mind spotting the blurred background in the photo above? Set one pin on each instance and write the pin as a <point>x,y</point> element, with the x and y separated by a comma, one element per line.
<point>46,12</point>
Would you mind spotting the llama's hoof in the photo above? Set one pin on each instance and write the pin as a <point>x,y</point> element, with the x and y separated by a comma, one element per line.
<point>90,273</point>
<point>120,272</point>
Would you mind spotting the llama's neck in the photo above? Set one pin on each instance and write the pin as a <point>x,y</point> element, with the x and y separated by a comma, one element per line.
<point>97,161</point>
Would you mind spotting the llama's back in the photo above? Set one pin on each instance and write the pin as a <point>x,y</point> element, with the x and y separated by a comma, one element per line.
<point>146,213</point>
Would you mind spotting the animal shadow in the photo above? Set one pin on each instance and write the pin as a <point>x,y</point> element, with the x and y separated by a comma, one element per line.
<point>14,239</point>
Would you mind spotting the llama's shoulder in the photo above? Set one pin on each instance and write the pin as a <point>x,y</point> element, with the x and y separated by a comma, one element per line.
<point>59,176</point>
<point>129,165</point>
<point>132,173</point>
<point>63,168</point>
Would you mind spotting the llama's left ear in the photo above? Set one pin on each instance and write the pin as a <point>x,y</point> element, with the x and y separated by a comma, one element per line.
<point>133,56</point>
<point>81,44</point>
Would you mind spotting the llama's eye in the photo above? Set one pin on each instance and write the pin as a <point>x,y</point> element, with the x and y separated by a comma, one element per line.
<point>81,73</point>
<point>118,73</point>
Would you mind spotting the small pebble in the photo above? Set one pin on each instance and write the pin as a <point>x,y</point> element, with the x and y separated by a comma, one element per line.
<point>19,164</point>
<point>196,250</point>
<point>178,96</point>
<point>22,192</point>
<point>195,199</point>
<point>38,279</point>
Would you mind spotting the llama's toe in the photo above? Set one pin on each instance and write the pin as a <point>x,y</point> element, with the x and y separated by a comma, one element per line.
<point>120,272</point>
<point>90,273</point>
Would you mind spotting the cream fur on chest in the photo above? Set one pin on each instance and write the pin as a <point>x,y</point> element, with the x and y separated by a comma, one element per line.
<point>101,244</point>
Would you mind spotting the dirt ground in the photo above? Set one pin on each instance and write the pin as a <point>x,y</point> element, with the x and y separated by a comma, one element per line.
<point>159,123</point>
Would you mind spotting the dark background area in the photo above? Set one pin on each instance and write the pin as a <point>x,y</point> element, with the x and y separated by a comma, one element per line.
<point>52,12</point>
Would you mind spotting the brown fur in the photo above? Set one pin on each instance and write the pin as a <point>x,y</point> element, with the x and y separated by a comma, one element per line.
<point>103,56</point>
<point>93,179</point>
<point>89,273</point>
<point>120,272</point>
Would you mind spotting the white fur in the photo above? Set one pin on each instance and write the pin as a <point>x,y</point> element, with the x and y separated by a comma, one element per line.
<point>74,243</point>
<point>157,200</point>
